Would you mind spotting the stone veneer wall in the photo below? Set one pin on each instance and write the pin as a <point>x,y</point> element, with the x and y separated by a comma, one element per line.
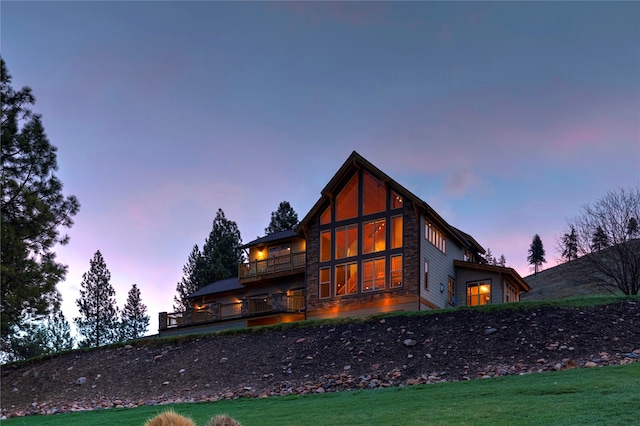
<point>312,267</point>
<point>411,243</point>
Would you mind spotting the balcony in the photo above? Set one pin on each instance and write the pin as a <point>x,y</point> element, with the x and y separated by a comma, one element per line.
<point>247,308</point>
<point>272,267</point>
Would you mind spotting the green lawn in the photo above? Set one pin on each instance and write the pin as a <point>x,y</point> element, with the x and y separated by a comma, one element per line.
<point>596,396</point>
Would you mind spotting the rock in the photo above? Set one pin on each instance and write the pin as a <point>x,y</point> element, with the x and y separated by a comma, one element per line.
<point>300,340</point>
<point>489,331</point>
<point>165,383</point>
<point>182,370</point>
<point>590,364</point>
<point>223,360</point>
<point>81,381</point>
<point>409,342</point>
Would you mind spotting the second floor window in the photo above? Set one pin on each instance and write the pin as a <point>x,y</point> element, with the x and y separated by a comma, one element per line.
<point>346,241</point>
<point>435,236</point>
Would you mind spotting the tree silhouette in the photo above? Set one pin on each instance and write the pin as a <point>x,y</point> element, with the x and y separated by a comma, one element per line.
<point>536,254</point>
<point>283,219</point>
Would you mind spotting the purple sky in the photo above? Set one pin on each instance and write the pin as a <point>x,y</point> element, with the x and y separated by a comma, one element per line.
<point>505,117</point>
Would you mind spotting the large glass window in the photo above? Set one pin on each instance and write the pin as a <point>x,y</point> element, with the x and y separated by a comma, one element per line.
<point>479,293</point>
<point>346,241</point>
<point>396,271</point>
<point>396,200</point>
<point>325,282</point>
<point>375,195</point>
<point>325,217</point>
<point>325,246</point>
<point>373,274</point>
<point>396,232</point>
<point>374,236</point>
<point>346,279</point>
<point>347,200</point>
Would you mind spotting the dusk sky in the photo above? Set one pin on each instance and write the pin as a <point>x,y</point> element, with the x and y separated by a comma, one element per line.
<point>506,117</point>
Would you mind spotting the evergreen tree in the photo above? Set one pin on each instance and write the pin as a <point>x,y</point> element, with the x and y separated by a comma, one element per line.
<point>502,261</point>
<point>489,257</point>
<point>98,321</point>
<point>600,239</point>
<point>283,219</point>
<point>570,245</point>
<point>134,319</point>
<point>192,274</point>
<point>46,336</point>
<point>33,211</point>
<point>536,253</point>
<point>221,251</point>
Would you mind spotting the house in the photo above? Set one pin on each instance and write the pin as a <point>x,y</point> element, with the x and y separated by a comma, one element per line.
<point>368,245</point>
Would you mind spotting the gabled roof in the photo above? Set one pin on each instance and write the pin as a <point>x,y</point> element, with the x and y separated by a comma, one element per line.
<point>218,287</point>
<point>511,273</point>
<point>272,238</point>
<point>356,162</point>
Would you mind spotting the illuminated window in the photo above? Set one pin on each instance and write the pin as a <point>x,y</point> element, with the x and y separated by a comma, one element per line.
<point>451,291</point>
<point>396,200</point>
<point>373,274</point>
<point>374,236</point>
<point>346,241</point>
<point>346,279</point>
<point>325,282</point>
<point>435,236</point>
<point>396,271</point>
<point>347,200</point>
<point>325,246</point>
<point>396,232</point>
<point>326,216</point>
<point>375,195</point>
<point>479,293</point>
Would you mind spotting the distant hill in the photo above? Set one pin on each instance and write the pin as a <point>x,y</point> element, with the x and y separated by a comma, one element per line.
<point>566,280</point>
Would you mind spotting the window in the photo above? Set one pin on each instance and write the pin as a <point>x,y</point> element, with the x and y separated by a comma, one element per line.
<point>374,236</point>
<point>326,216</point>
<point>396,271</point>
<point>451,291</point>
<point>479,293</point>
<point>466,255</point>
<point>375,195</point>
<point>426,275</point>
<point>347,200</point>
<point>325,282</point>
<point>435,236</point>
<point>396,200</point>
<point>346,241</point>
<point>396,232</point>
<point>373,274</point>
<point>280,254</point>
<point>346,279</point>
<point>511,295</point>
<point>325,246</point>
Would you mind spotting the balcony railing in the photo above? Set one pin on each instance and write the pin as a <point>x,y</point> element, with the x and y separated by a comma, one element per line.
<point>276,303</point>
<point>272,265</point>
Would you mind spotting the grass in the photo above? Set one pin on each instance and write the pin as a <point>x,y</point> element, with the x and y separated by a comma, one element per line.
<point>603,396</point>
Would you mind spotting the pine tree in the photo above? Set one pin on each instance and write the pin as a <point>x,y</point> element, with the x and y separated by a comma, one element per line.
<point>33,211</point>
<point>43,337</point>
<point>134,319</point>
<point>283,219</point>
<point>536,254</point>
<point>192,274</point>
<point>570,245</point>
<point>600,239</point>
<point>98,321</point>
<point>489,257</point>
<point>502,261</point>
<point>221,251</point>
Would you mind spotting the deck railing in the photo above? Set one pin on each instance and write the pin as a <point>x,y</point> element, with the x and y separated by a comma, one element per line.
<point>222,311</point>
<point>272,265</point>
